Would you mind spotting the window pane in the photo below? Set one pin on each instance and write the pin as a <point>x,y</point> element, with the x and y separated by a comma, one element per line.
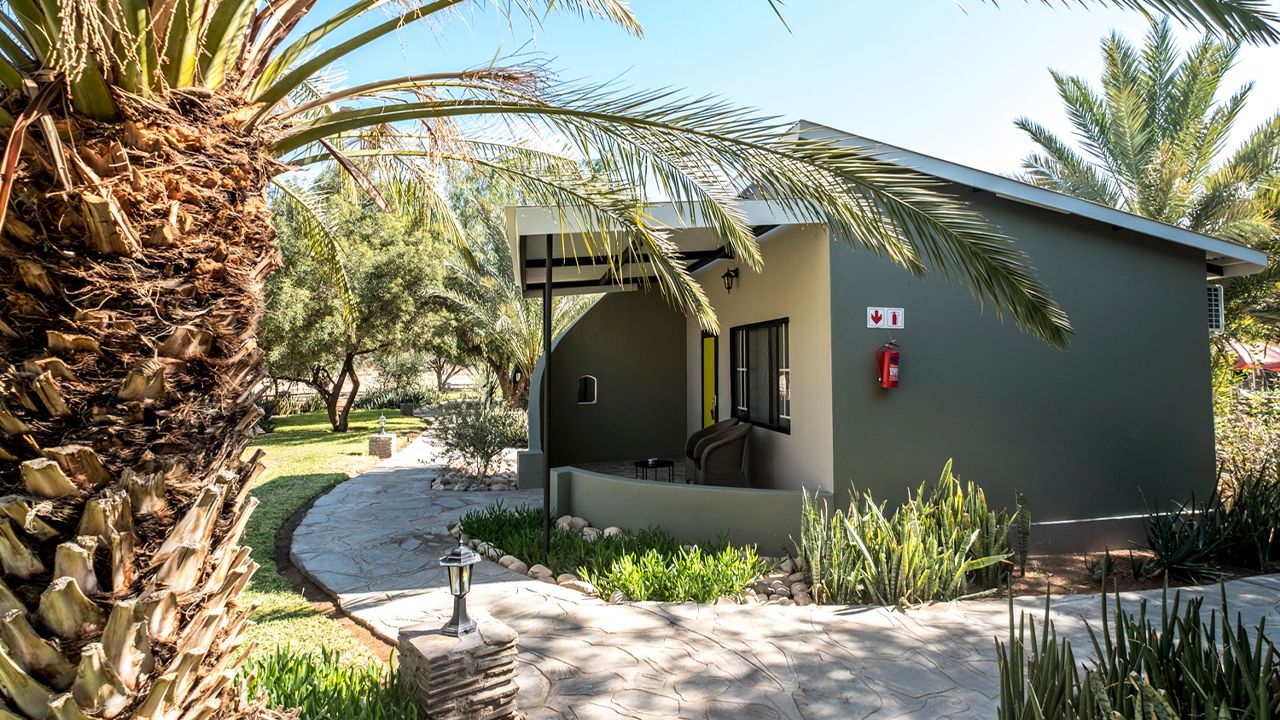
<point>760,376</point>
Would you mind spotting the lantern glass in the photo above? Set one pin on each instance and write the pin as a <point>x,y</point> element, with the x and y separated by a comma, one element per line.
<point>460,579</point>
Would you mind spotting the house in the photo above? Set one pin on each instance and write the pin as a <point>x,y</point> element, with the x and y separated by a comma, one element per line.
<point>1091,435</point>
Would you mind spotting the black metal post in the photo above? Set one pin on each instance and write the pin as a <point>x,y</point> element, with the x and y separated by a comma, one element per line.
<point>545,402</point>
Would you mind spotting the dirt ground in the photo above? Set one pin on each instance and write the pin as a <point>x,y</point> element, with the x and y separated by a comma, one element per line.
<point>1076,573</point>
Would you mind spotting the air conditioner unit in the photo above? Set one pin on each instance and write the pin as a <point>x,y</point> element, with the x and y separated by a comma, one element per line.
<point>1216,319</point>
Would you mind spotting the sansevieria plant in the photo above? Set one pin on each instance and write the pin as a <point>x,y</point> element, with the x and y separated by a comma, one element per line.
<point>139,139</point>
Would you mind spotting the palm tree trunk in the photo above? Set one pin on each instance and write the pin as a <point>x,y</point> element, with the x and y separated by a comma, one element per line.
<point>133,263</point>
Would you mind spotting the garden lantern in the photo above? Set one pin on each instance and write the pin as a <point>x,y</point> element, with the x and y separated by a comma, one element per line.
<point>459,562</point>
<point>382,424</point>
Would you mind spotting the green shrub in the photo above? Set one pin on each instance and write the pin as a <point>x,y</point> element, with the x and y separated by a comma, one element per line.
<point>1239,526</point>
<point>644,564</point>
<point>475,433</point>
<point>393,397</point>
<point>943,545</point>
<point>321,687</point>
<point>1178,667</point>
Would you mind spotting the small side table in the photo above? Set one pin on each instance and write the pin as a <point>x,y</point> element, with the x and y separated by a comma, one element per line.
<point>644,466</point>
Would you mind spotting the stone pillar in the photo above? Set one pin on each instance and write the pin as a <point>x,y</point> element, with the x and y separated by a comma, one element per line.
<point>468,678</point>
<point>408,408</point>
<point>382,445</point>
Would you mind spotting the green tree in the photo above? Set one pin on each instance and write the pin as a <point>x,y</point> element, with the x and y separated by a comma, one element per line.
<point>1152,141</point>
<point>392,269</point>
<point>140,138</point>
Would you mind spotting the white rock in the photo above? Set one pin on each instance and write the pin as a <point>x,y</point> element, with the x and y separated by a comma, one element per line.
<point>563,578</point>
<point>780,591</point>
<point>541,571</point>
<point>794,578</point>
<point>577,523</point>
<point>590,534</point>
<point>465,539</point>
<point>581,586</point>
<point>612,531</point>
<point>618,597</point>
<point>786,601</point>
<point>518,567</point>
<point>726,600</point>
<point>798,588</point>
<point>506,560</point>
<point>456,530</point>
<point>786,566</point>
<point>563,522</point>
<point>803,599</point>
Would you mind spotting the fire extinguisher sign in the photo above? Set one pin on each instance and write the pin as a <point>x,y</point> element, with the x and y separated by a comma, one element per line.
<point>885,317</point>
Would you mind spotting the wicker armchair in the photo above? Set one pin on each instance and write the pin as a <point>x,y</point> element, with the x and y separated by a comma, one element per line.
<point>721,459</point>
<point>690,463</point>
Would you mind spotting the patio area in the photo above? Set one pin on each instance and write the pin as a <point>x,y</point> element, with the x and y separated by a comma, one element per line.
<point>627,469</point>
<point>373,543</point>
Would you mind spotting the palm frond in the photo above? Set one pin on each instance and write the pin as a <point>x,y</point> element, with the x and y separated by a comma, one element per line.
<point>321,242</point>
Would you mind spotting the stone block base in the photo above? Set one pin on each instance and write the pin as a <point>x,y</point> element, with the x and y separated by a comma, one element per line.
<point>407,409</point>
<point>468,678</point>
<point>384,446</point>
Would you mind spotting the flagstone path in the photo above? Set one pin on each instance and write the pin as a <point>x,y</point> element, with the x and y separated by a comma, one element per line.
<point>374,541</point>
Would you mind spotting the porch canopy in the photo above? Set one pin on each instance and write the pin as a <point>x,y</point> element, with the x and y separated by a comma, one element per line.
<point>581,258</point>
<point>553,252</point>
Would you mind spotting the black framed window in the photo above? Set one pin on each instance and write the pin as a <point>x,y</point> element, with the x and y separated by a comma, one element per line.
<point>761,391</point>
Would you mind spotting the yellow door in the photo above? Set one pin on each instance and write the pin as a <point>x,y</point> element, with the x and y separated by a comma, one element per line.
<point>709,361</point>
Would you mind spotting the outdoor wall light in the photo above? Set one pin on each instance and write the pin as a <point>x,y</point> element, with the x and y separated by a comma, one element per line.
<point>729,277</point>
<point>459,562</point>
<point>382,424</point>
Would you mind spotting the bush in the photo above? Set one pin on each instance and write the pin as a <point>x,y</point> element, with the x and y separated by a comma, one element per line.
<point>1176,668</point>
<point>943,546</point>
<point>474,434</point>
<point>643,564</point>
<point>1239,526</point>
<point>392,397</point>
<point>321,687</point>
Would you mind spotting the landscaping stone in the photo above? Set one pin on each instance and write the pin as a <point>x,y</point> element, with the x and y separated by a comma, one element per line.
<point>612,531</point>
<point>590,534</point>
<point>540,571</point>
<point>518,567</point>
<point>563,578</point>
<point>787,566</point>
<point>563,521</point>
<point>506,560</point>
<point>577,523</point>
<point>795,577</point>
<point>473,676</point>
<point>581,586</point>
<point>618,597</point>
<point>802,599</point>
<point>798,588</point>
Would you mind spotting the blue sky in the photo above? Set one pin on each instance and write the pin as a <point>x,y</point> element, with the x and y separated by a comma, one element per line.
<point>943,77</point>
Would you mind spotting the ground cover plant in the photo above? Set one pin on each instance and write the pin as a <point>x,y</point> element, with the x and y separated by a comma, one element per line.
<point>642,564</point>
<point>320,685</point>
<point>1179,665</point>
<point>942,544</point>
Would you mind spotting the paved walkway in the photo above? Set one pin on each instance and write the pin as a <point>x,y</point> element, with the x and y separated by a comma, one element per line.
<point>373,542</point>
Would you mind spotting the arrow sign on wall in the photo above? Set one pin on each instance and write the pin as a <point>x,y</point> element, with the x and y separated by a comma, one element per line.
<point>885,317</point>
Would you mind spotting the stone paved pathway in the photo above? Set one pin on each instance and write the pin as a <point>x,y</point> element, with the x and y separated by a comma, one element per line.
<point>374,541</point>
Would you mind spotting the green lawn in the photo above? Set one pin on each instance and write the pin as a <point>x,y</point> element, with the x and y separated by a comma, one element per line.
<point>304,458</point>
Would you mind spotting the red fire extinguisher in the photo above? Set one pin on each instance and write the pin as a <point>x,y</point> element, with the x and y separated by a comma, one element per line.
<point>887,365</point>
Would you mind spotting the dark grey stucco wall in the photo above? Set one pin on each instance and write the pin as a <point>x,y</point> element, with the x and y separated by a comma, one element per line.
<point>1125,412</point>
<point>633,344</point>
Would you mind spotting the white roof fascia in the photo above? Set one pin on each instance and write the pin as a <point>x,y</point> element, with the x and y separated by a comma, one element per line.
<point>1233,258</point>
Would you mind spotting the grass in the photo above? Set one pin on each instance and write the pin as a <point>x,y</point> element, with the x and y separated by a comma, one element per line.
<point>643,564</point>
<point>322,686</point>
<point>304,458</point>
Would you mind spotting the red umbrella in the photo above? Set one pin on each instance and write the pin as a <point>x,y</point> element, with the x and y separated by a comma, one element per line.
<point>1256,357</point>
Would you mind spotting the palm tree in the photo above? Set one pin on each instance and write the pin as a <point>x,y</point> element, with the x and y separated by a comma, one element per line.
<point>1150,142</point>
<point>140,136</point>
<point>504,326</point>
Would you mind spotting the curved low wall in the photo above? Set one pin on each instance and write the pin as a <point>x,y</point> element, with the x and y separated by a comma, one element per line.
<point>769,519</point>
